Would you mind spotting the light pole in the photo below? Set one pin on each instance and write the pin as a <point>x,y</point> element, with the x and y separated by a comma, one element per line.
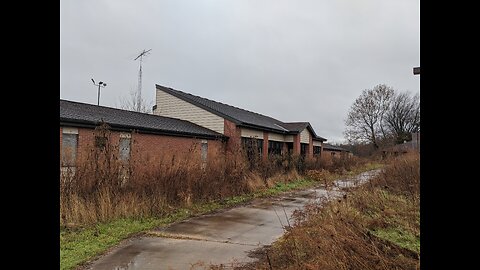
<point>100,84</point>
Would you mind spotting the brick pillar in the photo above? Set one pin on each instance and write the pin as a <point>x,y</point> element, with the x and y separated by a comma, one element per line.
<point>61,133</point>
<point>265,146</point>
<point>321,149</point>
<point>233,133</point>
<point>310,146</point>
<point>296,144</point>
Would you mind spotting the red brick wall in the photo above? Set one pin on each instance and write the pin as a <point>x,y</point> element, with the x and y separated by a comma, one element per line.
<point>265,145</point>
<point>310,146</point>
<point>153,147</point>
<point>234,133</point>
<point>148,146</point>
<point>296,144</point>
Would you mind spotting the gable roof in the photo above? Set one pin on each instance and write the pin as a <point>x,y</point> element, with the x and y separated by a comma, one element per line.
<point>296,127</point>
<point>82,114</point>
<point>240,116</point>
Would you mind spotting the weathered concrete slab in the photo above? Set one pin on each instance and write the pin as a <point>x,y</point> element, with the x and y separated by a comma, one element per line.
<point>164,253</point>
<point>219,238</point>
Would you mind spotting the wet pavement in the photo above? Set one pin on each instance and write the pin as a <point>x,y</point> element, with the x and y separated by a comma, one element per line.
<point>221,238</point>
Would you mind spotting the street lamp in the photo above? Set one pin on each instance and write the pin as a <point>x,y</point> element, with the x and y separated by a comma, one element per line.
<point>100,84</point>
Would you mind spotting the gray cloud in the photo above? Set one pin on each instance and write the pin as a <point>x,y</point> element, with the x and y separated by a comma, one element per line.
<point>292,60</point>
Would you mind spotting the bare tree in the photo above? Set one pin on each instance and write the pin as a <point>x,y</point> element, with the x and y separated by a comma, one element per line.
<point>131,104</point>
<point>403,117</point>
<point>365,120</point>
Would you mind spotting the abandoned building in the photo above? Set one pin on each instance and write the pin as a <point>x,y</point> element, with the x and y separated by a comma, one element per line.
<point>335,151</point>
<point>181,122</point>
<point>153,135</point>
<point>239,125</point>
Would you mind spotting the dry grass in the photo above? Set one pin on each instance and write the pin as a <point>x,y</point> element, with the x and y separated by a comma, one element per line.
<point>99,191</point>
<point>101,188</point>
<point>374,227</point>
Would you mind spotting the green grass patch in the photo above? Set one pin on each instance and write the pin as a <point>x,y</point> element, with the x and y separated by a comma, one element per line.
<point>76,246</point>
<point>399,237</point>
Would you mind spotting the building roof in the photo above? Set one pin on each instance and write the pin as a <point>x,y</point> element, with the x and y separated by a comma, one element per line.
<point>82,114</point>
<point>239,116</point>
<point>296,127</point>
<point>330,147</point>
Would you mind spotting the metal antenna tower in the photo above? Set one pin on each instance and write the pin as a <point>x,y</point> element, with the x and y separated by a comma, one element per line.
<point>139,93</point>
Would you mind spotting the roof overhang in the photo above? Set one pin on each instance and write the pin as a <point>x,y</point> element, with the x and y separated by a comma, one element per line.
<point>127,128</point>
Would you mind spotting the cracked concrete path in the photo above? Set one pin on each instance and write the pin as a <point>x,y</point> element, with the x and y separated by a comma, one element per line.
<point>219,238</point>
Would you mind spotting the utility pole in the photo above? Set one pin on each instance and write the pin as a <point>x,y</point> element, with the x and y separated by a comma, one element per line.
<point>139,91</point>
<point>100,84</point>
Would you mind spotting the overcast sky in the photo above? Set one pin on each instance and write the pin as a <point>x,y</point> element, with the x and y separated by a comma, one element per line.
<point>294,60</point>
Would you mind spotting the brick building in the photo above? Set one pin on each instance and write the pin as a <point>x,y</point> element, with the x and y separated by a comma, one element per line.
<point>335,151</point>
<point>181,123</point>
<point>242,127</point>
<point>134,134</point>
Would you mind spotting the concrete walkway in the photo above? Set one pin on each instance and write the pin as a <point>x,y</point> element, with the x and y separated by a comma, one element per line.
<point>221,238</point>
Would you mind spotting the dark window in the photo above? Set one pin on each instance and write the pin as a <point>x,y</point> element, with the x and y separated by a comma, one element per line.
<point>303,149</point>
<point>275,148</point>
<point>253,147</point>
<point>100,141</point>
<point>124,149</point>
<point>69,149</point>
<point>317,150</point>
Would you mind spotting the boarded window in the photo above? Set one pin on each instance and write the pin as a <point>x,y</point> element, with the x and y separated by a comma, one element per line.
<point>204,150</point>
<point>124,149</point>
<point>69,149</point>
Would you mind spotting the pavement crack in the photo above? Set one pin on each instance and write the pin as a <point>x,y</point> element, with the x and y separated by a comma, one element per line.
<point>186,237</point>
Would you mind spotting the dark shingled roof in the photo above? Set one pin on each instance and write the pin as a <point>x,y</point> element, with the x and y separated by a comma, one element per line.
<point>295,126</point>
<point>330,147</point>
<point>91,115</point>
<point>239,116</point>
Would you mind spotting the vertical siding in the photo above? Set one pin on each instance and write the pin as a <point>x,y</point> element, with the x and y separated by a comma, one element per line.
<point>305,136</point>
<point>246,132</point>
<point>276,137</point>
<point>171,106</point>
